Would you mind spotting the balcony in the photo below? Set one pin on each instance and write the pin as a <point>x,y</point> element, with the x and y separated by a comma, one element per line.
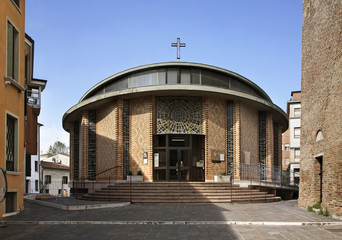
<point>34,97</point>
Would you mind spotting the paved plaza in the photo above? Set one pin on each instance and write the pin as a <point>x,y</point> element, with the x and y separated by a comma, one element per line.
<point>279,220</point>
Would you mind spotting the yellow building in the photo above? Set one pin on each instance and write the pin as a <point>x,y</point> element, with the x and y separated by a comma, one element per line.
<point>19,94</point>
<point>12,100</point>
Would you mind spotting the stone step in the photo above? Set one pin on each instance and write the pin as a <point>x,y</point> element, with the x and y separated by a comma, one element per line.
<point>172,188</point>
<point>176,192</point>
<point>184,200</point>
<point>168,188</point>
<point>204,192</point>
<point>210,193</point>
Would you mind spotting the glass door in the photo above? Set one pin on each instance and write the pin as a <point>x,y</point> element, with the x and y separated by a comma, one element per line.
<point>179,165</point>
<point>178,158</point>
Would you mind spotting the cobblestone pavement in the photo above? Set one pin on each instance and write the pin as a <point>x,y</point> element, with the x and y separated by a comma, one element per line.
<point>171,222</point>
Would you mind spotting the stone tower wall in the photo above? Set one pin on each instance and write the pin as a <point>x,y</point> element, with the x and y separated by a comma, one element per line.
<point>321,104</point>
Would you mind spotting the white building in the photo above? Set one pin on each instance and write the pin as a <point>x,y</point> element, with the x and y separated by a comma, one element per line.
<point>32,168</point>
<point>32,181</point>
<point>291,139</point>
<point>55,178</point>
<point>60,158</point>
<point>55,175</point>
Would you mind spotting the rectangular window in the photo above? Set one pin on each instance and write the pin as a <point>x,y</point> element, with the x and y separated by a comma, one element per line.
<point>59,191</point>
<point>161,76</point>
<point>297,153</point>
<point>297,112</point>
<point>195,76</point>
<point>11,143</point>
<point>11,202</point>
<point>65,180</point>
<point>28,165</point>
<point>185,76</point>
<point>287,161</point>
<point>287,147</point>
<point>296,132</point>
<point>36,166</point>
<point>12,52</point>
<point>172,76</point>
<point>36,185</point>
<point>47,179</point>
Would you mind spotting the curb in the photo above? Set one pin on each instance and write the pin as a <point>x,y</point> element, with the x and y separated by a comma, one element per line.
<point>79,207</point>
<point>170,223</point>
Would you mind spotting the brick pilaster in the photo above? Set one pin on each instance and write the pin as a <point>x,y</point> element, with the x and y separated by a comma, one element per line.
<point>237,139</point>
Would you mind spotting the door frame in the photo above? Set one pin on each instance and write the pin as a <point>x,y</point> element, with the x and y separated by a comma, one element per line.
<point>168,148</point>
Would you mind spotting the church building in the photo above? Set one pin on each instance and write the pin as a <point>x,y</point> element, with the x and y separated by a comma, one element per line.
<point>174,121</point>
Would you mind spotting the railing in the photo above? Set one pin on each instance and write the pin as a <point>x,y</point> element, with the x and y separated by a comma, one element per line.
<point>82,186</point>
<point>254,176</point>
<point>265,178</point>
<point>33,97</point>
<point>267,174</point>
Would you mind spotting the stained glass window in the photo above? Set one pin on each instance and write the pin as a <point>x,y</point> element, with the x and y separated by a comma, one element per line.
<point>179,115</point>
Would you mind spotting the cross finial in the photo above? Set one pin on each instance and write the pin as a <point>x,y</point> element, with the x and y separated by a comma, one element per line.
<point>178,44</point>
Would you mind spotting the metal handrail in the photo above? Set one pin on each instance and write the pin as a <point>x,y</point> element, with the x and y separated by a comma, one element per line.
<point>107,170</point>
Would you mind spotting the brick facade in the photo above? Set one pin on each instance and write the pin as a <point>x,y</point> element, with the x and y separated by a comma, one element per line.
<point>141,136</point>
<point>237,139</point>
<point>142,121</point>
<point>249,134</point>
<point>216,136</point>
<point>106,140</point>
<point>321,105</point>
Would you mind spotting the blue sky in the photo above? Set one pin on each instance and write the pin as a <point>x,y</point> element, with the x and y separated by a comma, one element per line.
<point>80,42</point>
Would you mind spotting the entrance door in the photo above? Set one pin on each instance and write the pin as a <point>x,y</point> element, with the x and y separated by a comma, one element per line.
<point>320,162</point>
<point>178,158</point>
<point>179,165</point>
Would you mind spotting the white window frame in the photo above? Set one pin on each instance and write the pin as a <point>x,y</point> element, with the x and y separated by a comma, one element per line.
<point>287,161</point>
<point>295,155</point>
<point>294,132</point>
<point>298,114</point>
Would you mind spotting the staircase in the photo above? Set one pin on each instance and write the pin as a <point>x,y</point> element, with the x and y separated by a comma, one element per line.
<point>179,192</point>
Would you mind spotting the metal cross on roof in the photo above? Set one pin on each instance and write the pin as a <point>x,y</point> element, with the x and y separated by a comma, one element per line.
<point>178,45</point>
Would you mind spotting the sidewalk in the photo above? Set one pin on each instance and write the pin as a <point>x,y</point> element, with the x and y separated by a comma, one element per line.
<point>276,220</point>
<point>284,212</point>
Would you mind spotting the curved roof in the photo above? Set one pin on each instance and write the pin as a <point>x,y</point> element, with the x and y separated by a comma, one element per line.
<point>180,78</point>
<point>174,73</point>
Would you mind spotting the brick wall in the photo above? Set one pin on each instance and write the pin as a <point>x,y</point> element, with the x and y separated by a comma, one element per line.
<point>237,139</point>
<point>106,140</point>
<point>321,104</point>
<point>249,134</point>
<point>216,136</point>
<point>285,154</point>
<point>31,130</point>
<point>141,136</point>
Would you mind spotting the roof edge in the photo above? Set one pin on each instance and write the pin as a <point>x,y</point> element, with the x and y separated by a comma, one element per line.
<point>166,64</point>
